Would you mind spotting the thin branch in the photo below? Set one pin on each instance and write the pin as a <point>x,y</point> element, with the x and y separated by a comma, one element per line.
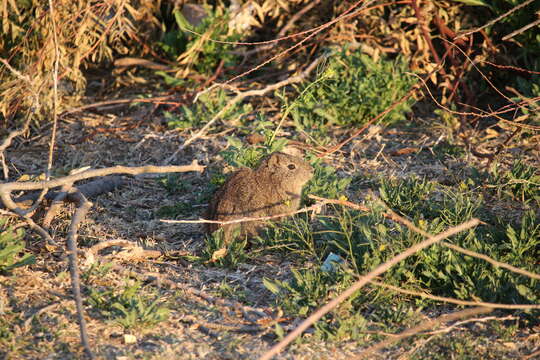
<point>491,261</point>
<point>497,19</point>
<point>520,30</point>
<point>362,282</point>
<point>241,96</point>
<point>315,207</point>
<point>7,142</point>
<point>82,209</point>
<point>456,301</point>
<point>429,324</point>
<point>55,93</point>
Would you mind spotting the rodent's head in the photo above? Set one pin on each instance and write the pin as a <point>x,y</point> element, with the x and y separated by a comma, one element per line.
<point>287,171</point>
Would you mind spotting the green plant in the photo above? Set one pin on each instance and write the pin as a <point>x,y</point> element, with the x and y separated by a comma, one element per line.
<point>407,195</point>
<point>240,155</point>
<point>292,236</point>
<point>307,289</point>
<point>217,253</point>
<point>196,51</point>
<point>128,309</point>
<point>325,182</point>
<point>352,90</point>
<point>521,182</point>
<point>12,245</point>
<point>208,105</point>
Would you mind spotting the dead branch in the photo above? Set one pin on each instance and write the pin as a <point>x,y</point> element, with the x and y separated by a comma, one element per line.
<point>315,207</point>
<point>89,190</point>
<point>55,94</point>
<point>241,96</point>
<point>83,205</point>
<point>362,282</point>
<point>456,301</point>
<point>114,102</point>
<point>7,142</point>
<point>497,19</point>
<point>7,188</point>
<point>429,324</point>
<point>130,61</point>
<point>133,250</point>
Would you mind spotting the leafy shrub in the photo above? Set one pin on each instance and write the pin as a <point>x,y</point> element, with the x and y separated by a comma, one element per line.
<point>352,90</point>
<point>364,240</point>
<point>11,247</point>
<point>196,51</point>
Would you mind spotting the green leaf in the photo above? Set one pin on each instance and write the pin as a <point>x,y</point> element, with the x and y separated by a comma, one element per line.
<point>272,286</point>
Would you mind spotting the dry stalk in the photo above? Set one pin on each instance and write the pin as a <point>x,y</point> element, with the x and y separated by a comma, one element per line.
<point>55,93</point>
<point>456,301</point>
<point>241,96</point>
<point>314,207</point>
<point>363,280</point>
<point>429,324</point>
<point>497,19</point>
<point>83,206</point>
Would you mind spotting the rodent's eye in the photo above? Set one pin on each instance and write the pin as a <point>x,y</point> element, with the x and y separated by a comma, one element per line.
<point>291,166</point>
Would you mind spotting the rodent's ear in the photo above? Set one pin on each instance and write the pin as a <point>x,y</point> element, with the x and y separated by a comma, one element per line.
<point>273,160</point>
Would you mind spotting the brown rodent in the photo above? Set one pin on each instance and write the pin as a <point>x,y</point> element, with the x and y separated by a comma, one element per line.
<point>272,188</point>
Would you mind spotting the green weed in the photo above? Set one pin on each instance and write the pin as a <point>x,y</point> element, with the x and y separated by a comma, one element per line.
<point>12,246</point>
<point>208,105</point>
<point>352,90</point>
<point>128,309</point>
<point>407,195</point>
<point>217,253</point>
<point>521,183</point>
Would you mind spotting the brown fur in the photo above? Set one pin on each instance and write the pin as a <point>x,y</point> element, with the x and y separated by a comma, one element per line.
<point>272,188</point>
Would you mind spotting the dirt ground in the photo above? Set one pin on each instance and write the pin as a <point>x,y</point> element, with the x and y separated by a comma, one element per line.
<point>206,320</point>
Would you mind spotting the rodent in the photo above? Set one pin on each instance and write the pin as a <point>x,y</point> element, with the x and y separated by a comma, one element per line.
<point>273,188</point>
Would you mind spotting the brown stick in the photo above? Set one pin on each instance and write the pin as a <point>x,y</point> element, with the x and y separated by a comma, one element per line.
<point>83,206</point>
<point>239,97</point>
<point>429,324</point>
<point>456,301</point>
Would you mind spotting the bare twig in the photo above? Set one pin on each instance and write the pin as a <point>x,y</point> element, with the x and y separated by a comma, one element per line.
<point>55,93</point>
<point>459,323</point>
<point>515,8</point>
<point>362,282</point>
<point>7,188</point>
<point>82,208</point>
<point>520,30</point>
<point>113,102</point>
<point>315,207</point>
<point>239,97</point>
<point>7,142</point>
<point>456,301</point>
<point>429,324</point>
<point>491,261</point>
